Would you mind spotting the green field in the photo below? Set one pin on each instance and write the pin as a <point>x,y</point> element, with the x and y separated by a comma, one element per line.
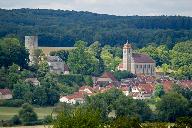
<point>8,112</point>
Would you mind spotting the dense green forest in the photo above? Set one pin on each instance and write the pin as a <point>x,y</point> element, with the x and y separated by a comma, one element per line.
<point>63,28</point>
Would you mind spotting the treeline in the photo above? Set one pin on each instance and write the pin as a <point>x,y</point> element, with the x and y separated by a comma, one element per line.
<point>176,61</point>
<point>63,28</point>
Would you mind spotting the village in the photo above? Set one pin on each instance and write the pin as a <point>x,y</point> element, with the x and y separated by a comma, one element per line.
<point>141,87</point>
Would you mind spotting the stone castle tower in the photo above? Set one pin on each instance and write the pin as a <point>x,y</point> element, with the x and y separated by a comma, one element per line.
<point>31,43</point>
<point>127,56</point>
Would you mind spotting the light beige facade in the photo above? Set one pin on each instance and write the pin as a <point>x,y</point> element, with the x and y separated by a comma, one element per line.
<point>136,63</point>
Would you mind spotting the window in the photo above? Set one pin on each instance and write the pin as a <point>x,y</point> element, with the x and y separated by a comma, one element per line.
<point>149,66</point>
<point>140,66</point>
<point>137,66</point>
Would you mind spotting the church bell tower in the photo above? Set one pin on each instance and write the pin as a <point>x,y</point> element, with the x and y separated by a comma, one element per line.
<point>127,55</point>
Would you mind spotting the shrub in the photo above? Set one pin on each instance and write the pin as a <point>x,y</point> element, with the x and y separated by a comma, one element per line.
<point>15,120</point>
<point>123,74</point>
<point>155,125</point>
<point>26,114</point>
<point>48,119</point>
<point>125,122</point>
<point>183,122</point>
<point>12,103</point>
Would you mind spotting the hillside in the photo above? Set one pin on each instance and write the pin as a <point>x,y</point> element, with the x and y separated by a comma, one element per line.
<point>63,28</point>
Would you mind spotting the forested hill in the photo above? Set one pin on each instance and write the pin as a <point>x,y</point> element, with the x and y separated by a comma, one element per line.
<point>63,28</point>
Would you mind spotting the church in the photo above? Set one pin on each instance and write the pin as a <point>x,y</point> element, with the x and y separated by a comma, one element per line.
<point>136,63</point>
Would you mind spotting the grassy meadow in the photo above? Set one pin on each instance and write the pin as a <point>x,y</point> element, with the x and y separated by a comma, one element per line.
<point>8,112</point>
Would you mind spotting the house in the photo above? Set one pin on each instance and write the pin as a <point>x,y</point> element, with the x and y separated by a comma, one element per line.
<point>105,79</point>
<point>56,65</point>
<point>136,63</point>
<point>142,91</point>
<point>86,89</point>
<point>32,81</point>
<point>5,94</point>
<point>77,97</point>
<point>136,95</point>
<point>125,90</point>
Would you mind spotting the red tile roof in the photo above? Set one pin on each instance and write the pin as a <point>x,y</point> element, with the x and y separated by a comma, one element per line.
<point>124,88</point>
<point>75,95</point>
<point>86,87</point>
<point>167,85</point>
<point>147,88</point>
<point>142,58</point>
<point>186,83</point>
<point>109,75</point>
<point>5,91</point>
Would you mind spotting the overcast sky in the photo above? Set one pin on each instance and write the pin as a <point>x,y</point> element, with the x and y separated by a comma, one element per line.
<point>116,7</point>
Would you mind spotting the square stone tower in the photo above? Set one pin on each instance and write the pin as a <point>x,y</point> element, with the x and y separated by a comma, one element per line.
<point>31,43</point>
<point>127,55</point>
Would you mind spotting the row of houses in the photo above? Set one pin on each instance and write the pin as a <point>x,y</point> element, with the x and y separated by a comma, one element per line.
<point>141,87</point>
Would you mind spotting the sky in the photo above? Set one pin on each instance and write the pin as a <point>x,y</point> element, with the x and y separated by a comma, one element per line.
<point>113,7</point>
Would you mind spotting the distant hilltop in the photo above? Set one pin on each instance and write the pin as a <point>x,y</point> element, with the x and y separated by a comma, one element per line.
<point>60,28</point>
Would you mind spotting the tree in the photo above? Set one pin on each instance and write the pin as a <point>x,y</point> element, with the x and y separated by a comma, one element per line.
<point>3,78</point>
<point>13,75</point>
<point>88,80</point>
<point>110,61</point>
<point>27,114</point>
<point>186,92</point>
<point>15,120</point>
<point>159,54</point>
<point>80,117</point>
<point>183,47</point>
<point>159,91</point>
<point>103,102</point>
<point>125,122</point>
<point>12,51</point>
<point>127,107</point>
<point>171,106</point>
<point>38,56</point>
<point>95,49</point>
<point>80,60</point>
<point>165,68</point>
<point>123,74</point>
<point>40,96</point>
<point>183,122</point>
<point>107,58</point>
<point>43,69</point>
<point>49,85</point>
<point>52,96</point>
<point>20,90</point>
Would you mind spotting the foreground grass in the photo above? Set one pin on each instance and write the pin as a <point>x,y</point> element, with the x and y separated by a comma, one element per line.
<point>36,126</point>
<point>8,112</point>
